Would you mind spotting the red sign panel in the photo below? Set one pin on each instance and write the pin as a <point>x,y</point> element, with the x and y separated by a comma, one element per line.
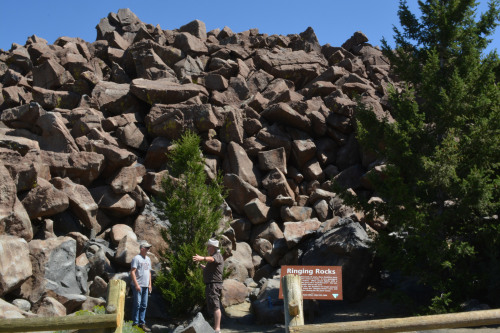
<point>318,282</point>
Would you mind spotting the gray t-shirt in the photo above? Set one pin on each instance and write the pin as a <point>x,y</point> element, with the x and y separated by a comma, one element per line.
<point>143,268</point>
<point>213,270</point>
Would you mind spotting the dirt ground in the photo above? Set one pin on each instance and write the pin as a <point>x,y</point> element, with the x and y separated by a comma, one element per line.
<point>240,319</point>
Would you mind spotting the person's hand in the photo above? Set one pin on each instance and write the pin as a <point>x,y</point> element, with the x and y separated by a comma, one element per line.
<point>202,266</point>
<point>137,288</point>
<point>197,257</point>
<point>150,289</point>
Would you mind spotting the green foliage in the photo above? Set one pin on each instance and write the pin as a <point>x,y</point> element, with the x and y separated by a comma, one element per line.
<point>192,204</point>
<point>100,310</point>
<point>441,183</point>
<point>129,328</point>
<point>96,310</point>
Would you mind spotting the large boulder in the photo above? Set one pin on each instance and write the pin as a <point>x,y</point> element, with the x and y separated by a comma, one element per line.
<point>241,165</point>
<point>148,227</point>
<point>24,168</point>
<point>80,201</point>
<point>55,135</point>
<point>45,200</point>
<point>55,273</point>
<point>287,115</point>
<point>51,75</point>
<point>190,44</point>
<point>118,205</point>
<point>171,121</point>
<point>51,99</point>
<point>347,245</point>
<point>240,193</point>
<point>50,307</point>
<point>82,168</point>
<point>120,231</point>
<point>14,220</point>
<point>133,136</point>
<point>24,116</point>
<point>240,264</point>
<point>271,159</point>
<point>298,66</point>
<point>294,232</point>
<point>115,98</point>
<point>232,128</point>
<point>257,211</point>
<point>127,249</point>
<point>126,180</point>
<point>197,325</point>
<point>164,91</point>
<point>233,292</point>
<point>115,157</point>
<point>13,272</point>
<point>196,28</point>
<point>276,184</point>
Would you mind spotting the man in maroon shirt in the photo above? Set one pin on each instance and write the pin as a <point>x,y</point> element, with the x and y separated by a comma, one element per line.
<point>212,277</point>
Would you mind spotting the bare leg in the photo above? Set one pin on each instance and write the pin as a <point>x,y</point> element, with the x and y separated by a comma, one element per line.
<point>217,316</point>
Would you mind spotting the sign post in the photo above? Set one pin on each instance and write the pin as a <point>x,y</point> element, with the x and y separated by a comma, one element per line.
<point>294,313</point>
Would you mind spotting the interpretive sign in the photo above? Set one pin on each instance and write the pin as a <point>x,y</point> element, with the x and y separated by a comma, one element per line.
<point>318,282</point>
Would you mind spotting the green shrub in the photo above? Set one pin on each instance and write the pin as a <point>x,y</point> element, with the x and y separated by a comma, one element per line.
<point>192,204</point>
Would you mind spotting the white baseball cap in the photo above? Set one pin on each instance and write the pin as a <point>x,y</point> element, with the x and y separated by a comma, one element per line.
<point>144,244</point>
<point>213,242</point>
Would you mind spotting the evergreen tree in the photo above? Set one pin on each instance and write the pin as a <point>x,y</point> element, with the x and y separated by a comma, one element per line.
<point>441,183</point>
<point>193,206</point>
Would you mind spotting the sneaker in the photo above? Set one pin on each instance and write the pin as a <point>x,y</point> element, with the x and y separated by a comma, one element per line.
<point>145,328</point>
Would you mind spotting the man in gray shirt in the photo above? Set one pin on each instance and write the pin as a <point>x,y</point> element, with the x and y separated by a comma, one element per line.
<point>212,277</point>
<point>140,273</point>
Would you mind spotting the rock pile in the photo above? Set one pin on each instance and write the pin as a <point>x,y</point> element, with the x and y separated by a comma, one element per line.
<point>84,132</point>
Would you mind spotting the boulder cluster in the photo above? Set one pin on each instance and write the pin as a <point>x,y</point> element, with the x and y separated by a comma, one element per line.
<point>85,133</point>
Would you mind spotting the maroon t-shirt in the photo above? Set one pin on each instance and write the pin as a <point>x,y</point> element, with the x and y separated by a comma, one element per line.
<point>213,270</point>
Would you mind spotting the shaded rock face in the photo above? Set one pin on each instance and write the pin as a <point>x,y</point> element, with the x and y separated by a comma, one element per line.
<point>86,128</point>
<point>346,245</point>
<point>55,273</point>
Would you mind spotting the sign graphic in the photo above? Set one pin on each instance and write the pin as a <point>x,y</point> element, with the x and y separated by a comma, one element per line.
<point>318,282</point>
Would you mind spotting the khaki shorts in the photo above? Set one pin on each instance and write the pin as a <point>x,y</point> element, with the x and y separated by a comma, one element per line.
<point>212,294</point>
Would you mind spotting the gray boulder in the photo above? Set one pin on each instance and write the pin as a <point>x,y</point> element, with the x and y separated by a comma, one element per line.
<point>55,273</point>
<point>346,245</point>
<point>198,325</point>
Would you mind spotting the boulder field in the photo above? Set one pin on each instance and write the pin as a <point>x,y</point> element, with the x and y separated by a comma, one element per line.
<point>85,129</point>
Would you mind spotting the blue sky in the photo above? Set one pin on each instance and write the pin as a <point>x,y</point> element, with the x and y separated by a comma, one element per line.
<point>334,21</point>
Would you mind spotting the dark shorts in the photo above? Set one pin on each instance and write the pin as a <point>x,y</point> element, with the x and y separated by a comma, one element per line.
<point>212,294</point>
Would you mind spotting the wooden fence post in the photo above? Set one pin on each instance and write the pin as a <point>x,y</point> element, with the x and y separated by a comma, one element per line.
<point>292,297</point>
<point>116,302</point>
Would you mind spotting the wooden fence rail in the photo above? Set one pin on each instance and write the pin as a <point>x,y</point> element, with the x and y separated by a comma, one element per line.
<point>451,320</point>
<point>292,293</point>
<point>112,320</point>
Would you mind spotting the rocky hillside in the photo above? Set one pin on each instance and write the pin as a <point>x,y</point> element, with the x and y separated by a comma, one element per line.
<point>84,132</point>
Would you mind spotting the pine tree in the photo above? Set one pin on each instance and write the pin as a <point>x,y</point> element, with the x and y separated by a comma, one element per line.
<point>441,183</point>
<point>193,207</point>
